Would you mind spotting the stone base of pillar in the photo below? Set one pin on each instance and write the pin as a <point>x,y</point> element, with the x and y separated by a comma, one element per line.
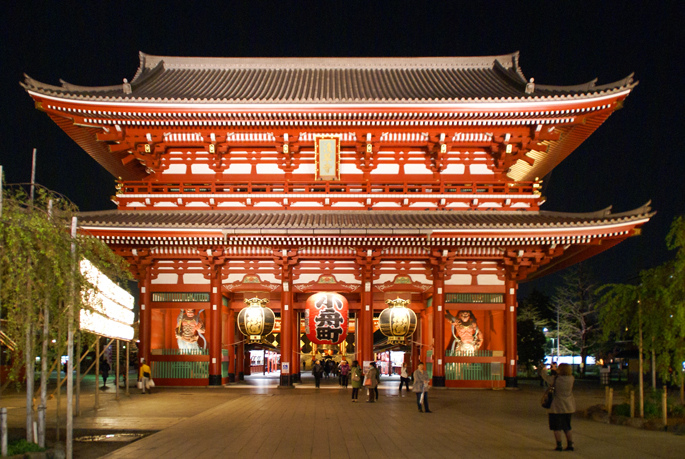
<point>241,376</point>
<point>438,381</point>
<point>215,380</point>
<point>296,378</point>
<point>231,377</point>
<point>511,381</point>
<point>286,381</point>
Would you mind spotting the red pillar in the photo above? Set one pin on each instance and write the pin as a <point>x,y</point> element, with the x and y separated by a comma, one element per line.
<point>426,337</point>
<point>215,325</point>
<point>295,364</point>
<point>510,352</point>
<point>230,340</point>
<point>240,359</point>
<point>439,326</point>
<point>286,329</point>
<point>145,326</point>
<point>365,345</point>
<point>415,348</point>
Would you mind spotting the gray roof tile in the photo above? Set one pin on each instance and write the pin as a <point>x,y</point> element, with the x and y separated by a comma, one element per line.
<point>322,220</point>
<point>324,80</point>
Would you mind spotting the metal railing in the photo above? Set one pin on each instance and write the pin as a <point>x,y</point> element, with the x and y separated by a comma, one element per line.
<point>180,370</point>
<point>473,371</point>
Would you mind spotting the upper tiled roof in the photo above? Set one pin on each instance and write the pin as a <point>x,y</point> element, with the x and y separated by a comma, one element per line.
<point>261,221</point>
<point>325,81</point>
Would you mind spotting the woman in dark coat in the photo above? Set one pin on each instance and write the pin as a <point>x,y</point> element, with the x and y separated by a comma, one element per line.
<point>563,404</point>
<point>355,379</point>
<point>317,370</point>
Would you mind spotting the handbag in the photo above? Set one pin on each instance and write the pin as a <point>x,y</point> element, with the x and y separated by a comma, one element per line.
<point>367,382</point>
<point>140,384</point>
<point>355,376</point>
<point>548,396</point>
<point>151,383</point>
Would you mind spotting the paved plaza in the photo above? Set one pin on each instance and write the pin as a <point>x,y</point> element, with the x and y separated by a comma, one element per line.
<point>259,420</point>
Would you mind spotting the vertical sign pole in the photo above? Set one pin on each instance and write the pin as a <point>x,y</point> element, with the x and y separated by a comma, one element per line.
<point>128,356</point>
<point>33,175</point>
<point>117,372</point>
<point>70,347</point>
<point>78,374</point>
<point>97,373</point>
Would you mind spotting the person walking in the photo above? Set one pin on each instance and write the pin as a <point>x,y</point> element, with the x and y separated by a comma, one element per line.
<point>145,375</point>
<point>378,383</point>
<point>317,370</point>
<point>104,371</point>
<point>404,377</point>
<point>563,405</point>
<point>344,371</point>
<point>371,382</point>
<point>421,388</point>
<point>356,379</point>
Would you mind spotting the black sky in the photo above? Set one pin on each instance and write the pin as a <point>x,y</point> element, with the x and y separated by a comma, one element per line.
<point>637,155</point>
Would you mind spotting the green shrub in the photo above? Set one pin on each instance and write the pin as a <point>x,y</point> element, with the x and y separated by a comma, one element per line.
<point>22,446</point>
<point>622,410</point>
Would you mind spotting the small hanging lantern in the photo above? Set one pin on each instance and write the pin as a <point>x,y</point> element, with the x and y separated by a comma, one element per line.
<point>326,318</point>
<point>256,321</point>
<point>397,322</point>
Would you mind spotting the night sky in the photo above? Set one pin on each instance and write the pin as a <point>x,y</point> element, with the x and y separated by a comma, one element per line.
<point>637,155</point>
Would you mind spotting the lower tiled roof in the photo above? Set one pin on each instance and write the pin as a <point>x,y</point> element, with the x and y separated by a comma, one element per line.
<point>401,220</point>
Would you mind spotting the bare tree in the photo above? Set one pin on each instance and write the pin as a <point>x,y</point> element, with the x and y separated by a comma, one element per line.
<point>575,302</point>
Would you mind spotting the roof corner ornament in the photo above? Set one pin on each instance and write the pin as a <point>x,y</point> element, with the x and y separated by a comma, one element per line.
<point>126,87</point>
<point>530,86</point>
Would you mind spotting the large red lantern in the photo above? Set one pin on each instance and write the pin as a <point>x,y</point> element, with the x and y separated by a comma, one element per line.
<point>326,318</point>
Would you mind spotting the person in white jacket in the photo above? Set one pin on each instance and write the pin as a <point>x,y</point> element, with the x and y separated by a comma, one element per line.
<point>563,405</point>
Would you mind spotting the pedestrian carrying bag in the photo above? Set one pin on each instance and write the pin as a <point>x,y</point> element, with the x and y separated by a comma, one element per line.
<point>548,396</point>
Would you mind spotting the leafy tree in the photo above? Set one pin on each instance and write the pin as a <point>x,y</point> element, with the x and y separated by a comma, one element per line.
<point>652,313</point>
<point>531,344</point>
<point>39,275</point>
<point>535,307</point>
<point>575,302</point>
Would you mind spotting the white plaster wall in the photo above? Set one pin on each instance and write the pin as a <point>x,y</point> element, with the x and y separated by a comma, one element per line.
<point>489,279</point>
<point>194,278</point>
<point>175,169</point>
<point>266,168</point>
<point>170,278</point>
<point>201,169</point>
<point>459,279</point>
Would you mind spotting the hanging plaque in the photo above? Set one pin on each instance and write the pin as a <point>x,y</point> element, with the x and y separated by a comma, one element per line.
<point>327,150</point>
<point>326,318</point>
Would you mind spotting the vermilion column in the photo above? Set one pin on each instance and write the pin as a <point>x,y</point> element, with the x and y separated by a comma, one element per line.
<point>438,326</point>
<point>215,325</point>
<point>510,351</point>
<point>415,348</point>
<point>230,339</point>
<point>286,331</point>
<point>145,326</point>
<point>425,337</point>
<point>365,344</point>
<point>295,368</point>
<point>240,359</point>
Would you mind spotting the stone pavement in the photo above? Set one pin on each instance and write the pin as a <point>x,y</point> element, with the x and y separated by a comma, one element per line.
<point>260,420</point>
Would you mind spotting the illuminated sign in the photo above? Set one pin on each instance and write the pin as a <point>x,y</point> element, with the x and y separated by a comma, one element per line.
<point>112,306</point>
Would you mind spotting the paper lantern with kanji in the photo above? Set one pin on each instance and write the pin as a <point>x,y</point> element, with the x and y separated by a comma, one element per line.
<point>256,321</point>
<point>326,318</point>
<point>397,322</point>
